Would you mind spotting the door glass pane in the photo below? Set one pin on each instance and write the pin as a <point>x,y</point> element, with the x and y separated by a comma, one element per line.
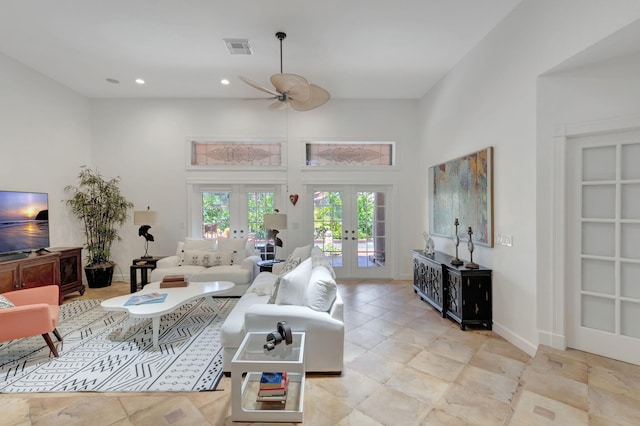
<point>598,239</point>
<point>598,276</point>
<point>630,319</point>
<point>598,313</point>
<point>599,201</point>
<point>371,229</point>
<point>259,204</point>
<point>630,159</point>
<point>630,280</point>
<point>631,201</point>
<point>327,224</point>
<point>599,163</point>
<point>629,236</point>
<point>215,214</point>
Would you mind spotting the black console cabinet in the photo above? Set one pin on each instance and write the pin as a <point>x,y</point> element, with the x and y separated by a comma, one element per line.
<point>462,294</point>
<point>427,279</point>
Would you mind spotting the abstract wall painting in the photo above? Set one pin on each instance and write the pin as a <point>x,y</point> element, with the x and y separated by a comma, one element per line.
<point>463,188</point>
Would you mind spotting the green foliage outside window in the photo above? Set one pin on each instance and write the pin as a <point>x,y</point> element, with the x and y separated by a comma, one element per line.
<point>258,204</point>
<point>215,213</point>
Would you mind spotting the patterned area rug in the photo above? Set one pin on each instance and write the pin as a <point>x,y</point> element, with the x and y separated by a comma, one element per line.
<point>188,358</point>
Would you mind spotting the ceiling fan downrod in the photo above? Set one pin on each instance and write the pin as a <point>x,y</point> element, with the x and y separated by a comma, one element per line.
<point>281,36</point>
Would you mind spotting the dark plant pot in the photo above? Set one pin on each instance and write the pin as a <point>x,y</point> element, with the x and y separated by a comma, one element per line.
<point>99,276</point>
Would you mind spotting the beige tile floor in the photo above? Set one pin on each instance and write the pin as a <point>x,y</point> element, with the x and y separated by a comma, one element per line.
<point>404,365</point>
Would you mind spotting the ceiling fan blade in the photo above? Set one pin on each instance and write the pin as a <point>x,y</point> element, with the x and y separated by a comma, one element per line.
<point>318,96</point>
<point>259,86</point>
<point>292,83</point>
<point>278,106</point>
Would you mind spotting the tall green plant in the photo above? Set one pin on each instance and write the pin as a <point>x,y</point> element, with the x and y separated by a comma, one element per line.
<point>98,203</point>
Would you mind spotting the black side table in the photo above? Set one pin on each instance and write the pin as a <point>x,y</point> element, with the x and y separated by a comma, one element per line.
<point>144,266</point>
<point>267,265</point>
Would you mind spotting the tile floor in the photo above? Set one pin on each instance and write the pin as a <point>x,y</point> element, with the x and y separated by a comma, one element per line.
<point>404,365</point>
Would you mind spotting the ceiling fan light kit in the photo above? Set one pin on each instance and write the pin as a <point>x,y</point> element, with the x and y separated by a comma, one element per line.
<point>291,89</point>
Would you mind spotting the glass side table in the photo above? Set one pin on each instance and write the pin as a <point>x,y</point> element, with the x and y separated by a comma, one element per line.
<point>252,359</point>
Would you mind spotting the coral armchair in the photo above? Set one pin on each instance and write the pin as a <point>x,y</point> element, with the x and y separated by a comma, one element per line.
<point>36,311</point>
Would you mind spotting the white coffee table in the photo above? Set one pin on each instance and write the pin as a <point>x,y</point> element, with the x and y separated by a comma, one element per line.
<point>176,297</point>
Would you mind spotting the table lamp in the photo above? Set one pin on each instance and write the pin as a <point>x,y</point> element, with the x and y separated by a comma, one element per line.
<point>145,218</point>
<point>274,223</point>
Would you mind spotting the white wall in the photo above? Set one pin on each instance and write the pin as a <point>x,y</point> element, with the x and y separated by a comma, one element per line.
<point>490,99</point>
<point>592,95</point>
<point>45,137</point>
<point>143,142</point>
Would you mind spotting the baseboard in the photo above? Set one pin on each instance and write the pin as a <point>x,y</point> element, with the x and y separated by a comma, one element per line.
<point>515,339</point>
<point>556,341</point>
<point>404,277</point>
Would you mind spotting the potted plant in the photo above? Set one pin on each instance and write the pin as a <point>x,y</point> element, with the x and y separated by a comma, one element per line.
<point>98,203</point>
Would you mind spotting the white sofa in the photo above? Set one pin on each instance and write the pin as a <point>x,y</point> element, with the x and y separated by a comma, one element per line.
<point>311,304</point>
<point>210,260</point>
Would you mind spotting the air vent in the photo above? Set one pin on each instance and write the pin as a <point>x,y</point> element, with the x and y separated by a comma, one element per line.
<point>238,46</point>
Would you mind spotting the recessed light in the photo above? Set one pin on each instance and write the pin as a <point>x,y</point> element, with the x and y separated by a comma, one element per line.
<point>139,81</point>
<point>112,80</point>
<point>224,81</point>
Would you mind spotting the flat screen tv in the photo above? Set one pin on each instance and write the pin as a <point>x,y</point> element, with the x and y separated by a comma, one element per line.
<point>24,222</point>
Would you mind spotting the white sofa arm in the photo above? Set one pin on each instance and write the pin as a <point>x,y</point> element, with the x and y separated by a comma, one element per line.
<point>168,262</point>
<point>250,263</point>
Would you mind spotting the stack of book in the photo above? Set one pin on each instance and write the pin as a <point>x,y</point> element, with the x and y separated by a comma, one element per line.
<point>273,387</point>
<point>174,281</point>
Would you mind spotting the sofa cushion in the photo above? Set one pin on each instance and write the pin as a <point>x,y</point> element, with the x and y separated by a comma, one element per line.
<point>302,252</point>
<point>321,290</point>
<point>234,273</point>
<point>289,265</point>
<point>293,285</point>
<point>236,245</point>
<point>207,258</point>
<point>263,284</point>
<point>319,259</point>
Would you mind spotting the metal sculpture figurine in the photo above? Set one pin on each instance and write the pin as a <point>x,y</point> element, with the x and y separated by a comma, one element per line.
<point>471,265</point>
<point>456,238</point>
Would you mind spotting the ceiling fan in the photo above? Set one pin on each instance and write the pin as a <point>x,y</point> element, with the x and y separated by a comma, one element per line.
<point>291,89</point>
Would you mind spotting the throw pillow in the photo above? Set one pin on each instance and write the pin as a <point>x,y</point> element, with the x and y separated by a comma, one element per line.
<point>207,258</point>
<point>250,249</point>
<point>319,259</point>
<point>5,303</point>
<point>199,244</point>
<point>293,285</point>
<point>321,291</point>
<point>289,265</point>
<point>236,245</point>
<point>302,252</point>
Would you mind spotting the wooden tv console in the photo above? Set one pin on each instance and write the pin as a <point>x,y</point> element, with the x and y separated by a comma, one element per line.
<point>61,266</point>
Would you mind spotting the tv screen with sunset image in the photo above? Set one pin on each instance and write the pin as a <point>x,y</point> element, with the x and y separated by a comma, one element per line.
<point>24,221</point>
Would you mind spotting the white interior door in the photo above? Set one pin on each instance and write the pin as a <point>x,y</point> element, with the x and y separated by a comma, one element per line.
<point>603,245</point>
<point>350,226</point>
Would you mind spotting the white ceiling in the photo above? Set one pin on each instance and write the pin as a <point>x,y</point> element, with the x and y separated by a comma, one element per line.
<point>353,48</point>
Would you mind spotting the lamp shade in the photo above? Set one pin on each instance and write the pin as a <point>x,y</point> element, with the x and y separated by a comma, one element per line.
<point>275,221</point>
<point>144,217</point>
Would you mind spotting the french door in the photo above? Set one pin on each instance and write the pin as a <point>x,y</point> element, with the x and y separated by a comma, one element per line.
<point>219,211</point>
<point>350,226</point>
<point>603,245</point>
